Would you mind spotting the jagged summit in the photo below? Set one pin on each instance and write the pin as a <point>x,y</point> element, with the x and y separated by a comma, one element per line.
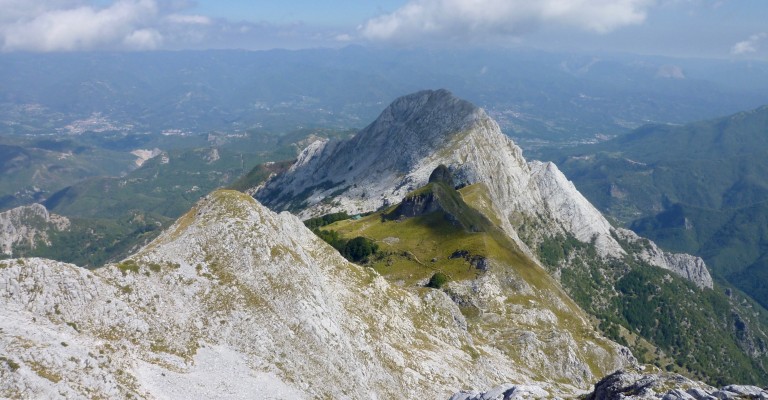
<point>412,126</point>
<point>405,132</point>
<point>421,121</point>
<point>384,161</point>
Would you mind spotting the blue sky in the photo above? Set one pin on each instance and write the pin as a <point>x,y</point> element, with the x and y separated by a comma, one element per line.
<point>700,28</point>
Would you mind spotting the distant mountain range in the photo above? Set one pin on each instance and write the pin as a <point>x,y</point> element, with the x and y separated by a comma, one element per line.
<point>535,96</point>
<point>700,188</point>
<point>113,215</point>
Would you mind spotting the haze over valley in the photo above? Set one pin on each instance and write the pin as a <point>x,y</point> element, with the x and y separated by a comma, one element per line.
<point>406,199</point>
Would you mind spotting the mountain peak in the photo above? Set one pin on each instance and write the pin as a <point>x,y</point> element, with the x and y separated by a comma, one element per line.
<point>430,101</point>
<point>389,158</point>
<point>423,117</point>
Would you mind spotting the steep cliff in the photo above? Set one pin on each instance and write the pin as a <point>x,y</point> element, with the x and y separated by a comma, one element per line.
<point>27,226</point>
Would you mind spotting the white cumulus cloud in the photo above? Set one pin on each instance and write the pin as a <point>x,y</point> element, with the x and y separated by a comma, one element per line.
<point>750,45</point>
<point>468,19</point>
<point>188,19</point>
<point>71,25</point>
<point>143,39</point>
<point>343,37</point>
<point>13,10</point>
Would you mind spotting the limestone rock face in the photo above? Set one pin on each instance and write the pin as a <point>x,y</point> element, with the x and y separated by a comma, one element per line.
<point>233,289</point>
<point>26,225</point>
<point>505,392</point>
<point>627,385</point>
<point>685,265</point>
<point>668,386</point>
<point>571,210</point>
<point>415,134</point>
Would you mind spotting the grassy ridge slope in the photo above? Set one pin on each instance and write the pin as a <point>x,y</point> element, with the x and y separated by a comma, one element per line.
<point>458,241</point>
<point>666,320</point>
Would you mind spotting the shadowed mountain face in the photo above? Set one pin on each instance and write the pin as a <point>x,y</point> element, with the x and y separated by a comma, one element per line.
<point>382,157</point>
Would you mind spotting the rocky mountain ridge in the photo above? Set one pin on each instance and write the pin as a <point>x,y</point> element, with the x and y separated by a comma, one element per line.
<point>416,133</point>
<point>233,288</point>
<point>28,225</point>
<point>179,318</point>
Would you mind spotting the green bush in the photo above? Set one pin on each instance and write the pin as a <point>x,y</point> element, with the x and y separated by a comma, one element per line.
<point>318,222</point>
<point>359,248</point>
<point>331,237</point>
<point>438,280</point>
<point>356,250</point>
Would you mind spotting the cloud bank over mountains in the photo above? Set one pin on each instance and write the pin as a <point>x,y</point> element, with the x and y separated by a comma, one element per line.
<point>750,45</point>
<point>452,19</point>
<point>719,28</point>
<point>85,25</point>
<point>75,25</point>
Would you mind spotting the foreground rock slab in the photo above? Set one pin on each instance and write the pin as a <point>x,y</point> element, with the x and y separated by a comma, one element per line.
<point>667,386</point>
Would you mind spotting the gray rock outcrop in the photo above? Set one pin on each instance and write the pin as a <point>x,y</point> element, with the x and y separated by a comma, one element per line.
<point>505,392</point>
<point>667,386</point>
<point>28,225</point>
<point>627,385</point>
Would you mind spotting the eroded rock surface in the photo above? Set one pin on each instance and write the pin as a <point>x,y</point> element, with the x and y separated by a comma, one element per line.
<point>233,289</point>
<point>28,225</point>
<point>667,386</point>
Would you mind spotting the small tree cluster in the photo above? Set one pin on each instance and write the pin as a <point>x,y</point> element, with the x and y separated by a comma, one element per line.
<point>438,280</point>
<point>359,248</point>
<point>318,222</point>
<point>355,250</point>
